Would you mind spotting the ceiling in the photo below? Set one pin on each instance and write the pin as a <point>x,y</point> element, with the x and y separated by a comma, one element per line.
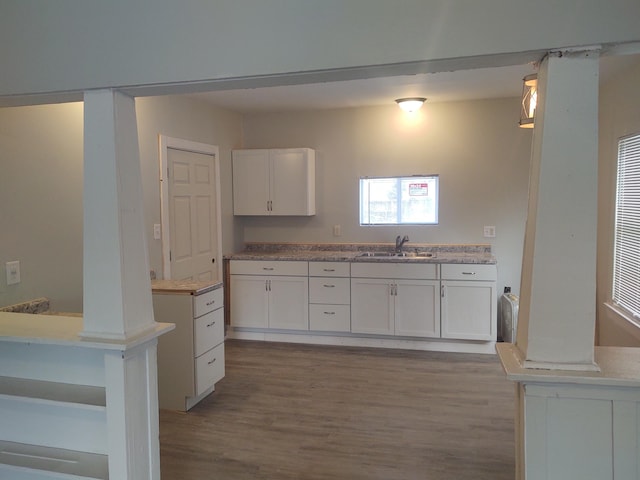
<point>479,83</point>
<point>437,87</point>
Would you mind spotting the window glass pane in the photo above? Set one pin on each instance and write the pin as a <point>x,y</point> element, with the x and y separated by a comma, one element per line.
<point>399,200</point>
<point>626,260</point>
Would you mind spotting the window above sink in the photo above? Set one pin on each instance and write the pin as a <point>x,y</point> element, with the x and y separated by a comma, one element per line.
<point>409,200</point>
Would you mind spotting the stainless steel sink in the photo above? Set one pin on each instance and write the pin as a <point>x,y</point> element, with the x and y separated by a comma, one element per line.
<point>417,254</point>
<point>397,255</point>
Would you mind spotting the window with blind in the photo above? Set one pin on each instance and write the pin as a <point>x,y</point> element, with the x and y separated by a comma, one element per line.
<point>399,200</point>
<point>626,253</point>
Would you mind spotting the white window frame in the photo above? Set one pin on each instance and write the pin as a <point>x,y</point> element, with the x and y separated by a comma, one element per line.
<point>625,292</point>
<point>364,203</point>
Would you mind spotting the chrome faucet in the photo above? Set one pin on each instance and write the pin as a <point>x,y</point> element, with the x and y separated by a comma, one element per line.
<point>400,241</point>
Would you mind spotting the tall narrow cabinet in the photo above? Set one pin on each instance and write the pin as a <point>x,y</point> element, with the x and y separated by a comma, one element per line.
<point>274,182</point>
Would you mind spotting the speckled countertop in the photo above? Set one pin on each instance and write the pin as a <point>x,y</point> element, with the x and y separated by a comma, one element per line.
<point>183,286</point>
<point>354,252</point>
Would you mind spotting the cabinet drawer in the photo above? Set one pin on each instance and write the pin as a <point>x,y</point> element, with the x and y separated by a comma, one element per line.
<point>330,318</point>
<point>329,290</point>
<point>209,331</point>
<point>423,271</point>
<point>207,302</point>
<point>329,269</point>
<point>467,271</point>
<point>209,368</point>
<point>269,267</point>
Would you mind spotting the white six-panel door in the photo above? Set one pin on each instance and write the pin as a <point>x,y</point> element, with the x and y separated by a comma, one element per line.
<point>190,210</point>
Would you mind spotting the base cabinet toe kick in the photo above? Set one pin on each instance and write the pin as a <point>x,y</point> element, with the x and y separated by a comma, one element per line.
<point>425,306</point>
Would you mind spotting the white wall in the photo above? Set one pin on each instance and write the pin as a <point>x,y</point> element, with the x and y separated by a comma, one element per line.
<point>187,119</point>
<point>79,45</point>
<point>619,116</point>
<point>41,159</point>
<point>476,147</point>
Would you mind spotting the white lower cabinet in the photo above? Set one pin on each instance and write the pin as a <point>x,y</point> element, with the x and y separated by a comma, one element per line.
<point>468,302</point>
<point>270,294</point>
<point>191,358</point>
<point>388,299</point>
<point>385,303</point>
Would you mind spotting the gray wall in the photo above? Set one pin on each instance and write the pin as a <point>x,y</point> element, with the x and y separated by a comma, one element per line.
<point>41,202</point>
<point>476,147</point>
<point>41,160</point>
<point>619,116</point>
<point>188,119</point>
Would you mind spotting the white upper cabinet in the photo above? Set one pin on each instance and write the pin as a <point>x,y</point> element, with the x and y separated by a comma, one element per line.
<point>274,182</point>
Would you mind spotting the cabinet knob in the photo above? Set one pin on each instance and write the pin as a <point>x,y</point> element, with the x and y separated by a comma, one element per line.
<point>213,260</point>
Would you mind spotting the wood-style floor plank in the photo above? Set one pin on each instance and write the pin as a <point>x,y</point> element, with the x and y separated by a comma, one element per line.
<point>286,411</point>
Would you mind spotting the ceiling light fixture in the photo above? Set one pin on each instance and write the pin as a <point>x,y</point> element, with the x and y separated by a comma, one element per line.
<point>410,104</point>
<point>529,100</point>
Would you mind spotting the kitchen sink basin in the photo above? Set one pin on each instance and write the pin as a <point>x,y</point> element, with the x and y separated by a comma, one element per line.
<point>378,254</point>
<point>397,255</point>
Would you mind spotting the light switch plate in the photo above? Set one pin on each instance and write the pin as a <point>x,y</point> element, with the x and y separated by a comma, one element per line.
<point>13,272</point>
<point>157,231</point>
<point>489,231</point>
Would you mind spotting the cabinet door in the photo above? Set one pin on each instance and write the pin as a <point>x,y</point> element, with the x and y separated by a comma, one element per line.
<point>289,303</point>
<point>468,310</point>
<point>250,182</point>
<point>176,368</point>
<point>249,301</point>
<point>417,308</point>
<point>292,182</point>
<point>371,306</point>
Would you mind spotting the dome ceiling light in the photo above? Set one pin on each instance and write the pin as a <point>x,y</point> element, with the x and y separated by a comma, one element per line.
<point>410,104</point>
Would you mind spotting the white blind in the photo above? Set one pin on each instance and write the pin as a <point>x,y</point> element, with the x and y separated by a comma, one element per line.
<point>626,260</point>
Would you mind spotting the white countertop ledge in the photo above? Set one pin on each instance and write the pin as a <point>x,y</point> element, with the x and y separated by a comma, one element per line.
<point>619,367</point>
<point>66,331</point>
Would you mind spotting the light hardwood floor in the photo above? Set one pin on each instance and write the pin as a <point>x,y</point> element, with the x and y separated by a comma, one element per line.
<point>287,411</point>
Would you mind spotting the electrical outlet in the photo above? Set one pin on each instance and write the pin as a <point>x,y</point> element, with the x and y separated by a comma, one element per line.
<point>489,231</point>
<point>337,230</point>
<point>157,231</point>
<point>13,272</point>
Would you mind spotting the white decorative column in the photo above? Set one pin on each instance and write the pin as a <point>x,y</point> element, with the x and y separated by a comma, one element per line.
<point>577,406</point>
<point>118,307</point>
<point>556,322</point>
<point>117,288</point>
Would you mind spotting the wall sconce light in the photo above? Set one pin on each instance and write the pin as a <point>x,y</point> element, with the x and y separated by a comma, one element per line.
<point>529,100</point>
<point>410,104</point>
